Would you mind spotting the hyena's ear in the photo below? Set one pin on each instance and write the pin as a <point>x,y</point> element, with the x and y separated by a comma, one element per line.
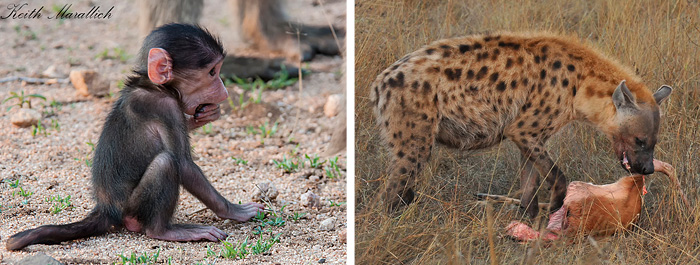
<point>662,94</point>
<point>622,97</point>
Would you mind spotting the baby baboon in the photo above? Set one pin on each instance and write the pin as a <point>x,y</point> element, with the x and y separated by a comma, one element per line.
<point>143,154</point>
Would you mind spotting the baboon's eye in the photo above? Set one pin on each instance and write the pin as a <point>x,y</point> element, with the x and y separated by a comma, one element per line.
<point>641,143</point>
<point>212,72</point>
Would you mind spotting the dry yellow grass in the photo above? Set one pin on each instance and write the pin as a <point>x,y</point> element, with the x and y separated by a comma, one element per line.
<point>657,38</point>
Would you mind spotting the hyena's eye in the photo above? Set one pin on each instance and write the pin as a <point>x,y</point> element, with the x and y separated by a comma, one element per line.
<point>641,143</point>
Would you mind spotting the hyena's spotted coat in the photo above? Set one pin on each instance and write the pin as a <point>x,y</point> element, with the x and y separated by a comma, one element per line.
<point>470,92</point>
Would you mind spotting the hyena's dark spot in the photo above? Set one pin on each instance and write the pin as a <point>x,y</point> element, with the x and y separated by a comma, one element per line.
<point>521,60</point>
<point>520,124</point>
<point>477,45</point>
<point>433,70</point>
<point>556,65</point>
<point>415,85</point>
<point>565,82</point>
<point>525,80</point>
<point>426,87</point>
<point>544,49</point>
<point>513,84</point>
<point>446,54</point>
<point>376,92</point>
<point>470,74</point>
<point>496,52</point>
<point>543,74</point>
<point>453,74</point>
<point>445,46</point>
<point>554,81</point>
<point>482,72</point>
<point>512,45</point>
<point>571,67</point>
<point>482,56</point>
<point>547,110</point>
<point>473,88</point>
<point>573,90</point>
<point>577,58</point>
<point>501,87</point>
<point>430,51</point>
<point>400,154</point>
<point>463,48</point>
<point>537,59</point>
<point>398,82</point>
<point>509,63</point>
<point>494,77</point>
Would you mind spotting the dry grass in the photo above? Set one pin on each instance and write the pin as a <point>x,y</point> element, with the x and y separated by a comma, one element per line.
<point>659,39</point>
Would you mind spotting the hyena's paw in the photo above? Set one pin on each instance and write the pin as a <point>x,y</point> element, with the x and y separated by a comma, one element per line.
<point>396,196</point>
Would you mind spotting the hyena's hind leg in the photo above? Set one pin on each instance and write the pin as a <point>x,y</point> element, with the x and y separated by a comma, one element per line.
<point>410,136</point>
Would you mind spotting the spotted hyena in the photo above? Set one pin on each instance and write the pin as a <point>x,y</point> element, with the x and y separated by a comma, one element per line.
<point>471,92</point>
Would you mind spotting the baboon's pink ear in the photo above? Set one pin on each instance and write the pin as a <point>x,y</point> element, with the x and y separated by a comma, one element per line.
<point>160,66</point>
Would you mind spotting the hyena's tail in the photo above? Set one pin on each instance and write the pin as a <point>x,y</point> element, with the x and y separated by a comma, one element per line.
<point>97,223</point>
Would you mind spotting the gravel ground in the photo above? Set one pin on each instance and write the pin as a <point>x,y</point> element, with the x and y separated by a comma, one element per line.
<point>55,164</point>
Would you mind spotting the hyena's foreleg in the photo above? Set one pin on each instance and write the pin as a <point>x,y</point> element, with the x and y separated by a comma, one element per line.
<point>529,182</point>
<point>534,154</point>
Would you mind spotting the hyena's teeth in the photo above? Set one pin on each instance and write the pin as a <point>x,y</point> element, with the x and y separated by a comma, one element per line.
<point>625,161</point>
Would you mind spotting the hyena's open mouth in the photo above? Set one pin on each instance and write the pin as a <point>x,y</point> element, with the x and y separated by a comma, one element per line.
<point>625,162</point>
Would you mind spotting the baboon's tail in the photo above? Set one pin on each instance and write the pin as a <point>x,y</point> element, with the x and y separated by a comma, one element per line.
<point>95,224</point>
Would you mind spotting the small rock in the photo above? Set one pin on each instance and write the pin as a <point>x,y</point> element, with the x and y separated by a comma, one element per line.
<point>327,225</point>
<point>314,178</point>
<point>307,173</point>
<point>25,117</point>
<point>332,106</point>
<point>265,191</point>
<point>343,236</point>
<point>323,260</point>
<point>309,199</point>
<point>39,258</point>
<point>89,82</point>
<point>52,73</point>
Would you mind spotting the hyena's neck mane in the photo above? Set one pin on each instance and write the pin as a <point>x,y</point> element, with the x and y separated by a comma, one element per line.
<point>597,80</point>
